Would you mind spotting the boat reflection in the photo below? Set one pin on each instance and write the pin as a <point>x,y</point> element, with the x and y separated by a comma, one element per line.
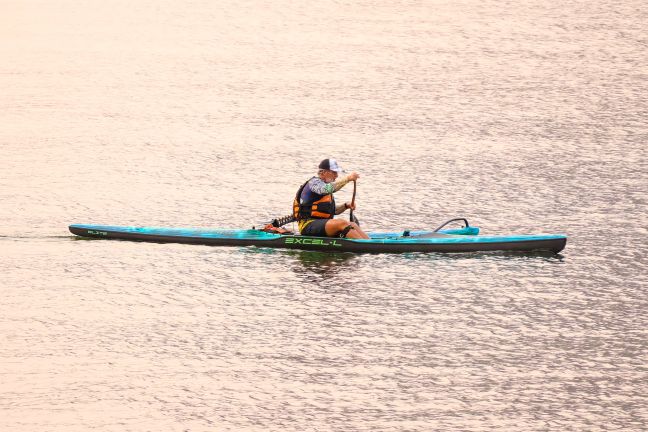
<point>314,259</point>
<point>316,266</point>
<point>321,263</point>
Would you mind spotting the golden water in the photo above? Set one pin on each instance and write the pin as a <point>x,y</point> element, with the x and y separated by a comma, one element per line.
<point>526,117</point>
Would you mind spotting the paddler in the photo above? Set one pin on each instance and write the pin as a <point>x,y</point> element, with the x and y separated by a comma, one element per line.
<point>314,206</point>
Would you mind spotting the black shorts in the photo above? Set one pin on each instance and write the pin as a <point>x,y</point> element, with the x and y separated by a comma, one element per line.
<point>316,228</point>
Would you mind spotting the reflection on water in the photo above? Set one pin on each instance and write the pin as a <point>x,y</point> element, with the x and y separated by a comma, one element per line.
<point>329,262</point>
<point>510,256</point>
<point>323,262</point>
<point>308,262</point>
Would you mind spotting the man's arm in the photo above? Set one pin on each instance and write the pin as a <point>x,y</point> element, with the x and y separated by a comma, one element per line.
<point>320,187</point>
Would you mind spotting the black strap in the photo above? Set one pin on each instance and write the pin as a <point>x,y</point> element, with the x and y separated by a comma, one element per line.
<point>346,230</point>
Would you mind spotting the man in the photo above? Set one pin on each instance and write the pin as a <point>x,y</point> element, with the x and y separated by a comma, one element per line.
<point>314,206</point>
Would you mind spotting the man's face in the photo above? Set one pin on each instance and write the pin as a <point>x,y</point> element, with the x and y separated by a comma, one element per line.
<point>329,176</point>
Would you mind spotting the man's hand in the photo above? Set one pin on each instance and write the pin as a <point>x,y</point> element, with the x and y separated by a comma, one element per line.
<point>353,176</point>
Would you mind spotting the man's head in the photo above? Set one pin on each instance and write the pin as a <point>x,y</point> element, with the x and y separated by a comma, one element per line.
<point>329,170</point>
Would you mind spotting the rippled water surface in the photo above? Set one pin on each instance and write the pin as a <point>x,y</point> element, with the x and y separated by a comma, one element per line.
<point>523,117</point>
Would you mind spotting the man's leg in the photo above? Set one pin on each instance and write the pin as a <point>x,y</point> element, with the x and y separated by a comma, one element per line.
<point>336,226</point>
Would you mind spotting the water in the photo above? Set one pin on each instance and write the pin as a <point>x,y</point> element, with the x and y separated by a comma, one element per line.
<point>524,118</point>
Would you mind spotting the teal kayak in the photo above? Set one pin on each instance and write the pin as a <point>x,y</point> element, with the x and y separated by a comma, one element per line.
<point>465,239</point>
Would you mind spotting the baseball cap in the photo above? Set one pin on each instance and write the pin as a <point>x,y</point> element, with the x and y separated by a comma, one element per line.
<point>331,165</point>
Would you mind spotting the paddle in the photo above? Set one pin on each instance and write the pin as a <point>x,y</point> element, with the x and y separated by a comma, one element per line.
<point>352,218</point>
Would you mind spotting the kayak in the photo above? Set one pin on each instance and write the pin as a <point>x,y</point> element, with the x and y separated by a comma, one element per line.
<point>464,239</point>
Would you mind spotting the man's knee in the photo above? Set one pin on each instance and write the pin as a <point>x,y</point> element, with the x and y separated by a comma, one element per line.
<point>346,229</point>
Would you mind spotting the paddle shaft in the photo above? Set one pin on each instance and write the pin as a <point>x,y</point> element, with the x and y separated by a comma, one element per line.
<point>352,202</point>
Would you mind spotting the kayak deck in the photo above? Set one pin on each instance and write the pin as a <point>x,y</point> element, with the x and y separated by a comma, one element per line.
<point>464,239</point>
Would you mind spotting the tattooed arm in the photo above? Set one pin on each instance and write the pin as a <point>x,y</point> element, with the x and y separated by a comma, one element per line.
<point>320,187</point>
